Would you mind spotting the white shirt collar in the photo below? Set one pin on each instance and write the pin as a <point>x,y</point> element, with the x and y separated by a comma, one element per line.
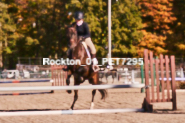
<point>79,23</point>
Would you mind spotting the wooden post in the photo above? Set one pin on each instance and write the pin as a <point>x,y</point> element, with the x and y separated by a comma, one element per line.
<point>162,76</point>
<point>167,77</point>
<point>146,104</point>
<point>157,79</point>
<point>174,102</point>
<point>152,75</point>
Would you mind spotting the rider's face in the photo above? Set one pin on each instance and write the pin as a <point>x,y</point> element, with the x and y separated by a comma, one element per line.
<point>78,20</point>
<point>72,40</point>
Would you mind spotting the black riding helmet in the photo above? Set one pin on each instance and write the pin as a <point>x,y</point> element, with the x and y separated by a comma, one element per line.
<point>79,15</point>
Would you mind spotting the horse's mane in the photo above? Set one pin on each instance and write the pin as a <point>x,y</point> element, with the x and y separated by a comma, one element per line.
<point>72,36</point>
<point>78,49</point>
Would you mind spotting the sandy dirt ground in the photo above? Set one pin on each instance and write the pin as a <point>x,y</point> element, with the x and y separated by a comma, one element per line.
<point>117,98</point>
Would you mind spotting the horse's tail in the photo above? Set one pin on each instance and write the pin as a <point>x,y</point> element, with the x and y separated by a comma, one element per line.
<point>103,93</point>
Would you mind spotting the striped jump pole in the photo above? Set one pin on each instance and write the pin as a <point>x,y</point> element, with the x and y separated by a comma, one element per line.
<point>16,93</point>
<point>25,81</point>
<point>67,112</point>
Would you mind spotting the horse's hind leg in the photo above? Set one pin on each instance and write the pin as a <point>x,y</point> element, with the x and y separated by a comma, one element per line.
<point>95,81</point>
<point>92,102</point>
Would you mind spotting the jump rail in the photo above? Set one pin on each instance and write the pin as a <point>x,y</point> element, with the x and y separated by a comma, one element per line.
<point>25,81</point>
<point>84,87</point>
<point>59,112</point>
<point>15,93</point>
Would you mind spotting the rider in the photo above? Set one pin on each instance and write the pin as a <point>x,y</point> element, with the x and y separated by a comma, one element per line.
<point>83,30</point>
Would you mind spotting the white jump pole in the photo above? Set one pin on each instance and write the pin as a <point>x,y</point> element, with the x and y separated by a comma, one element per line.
<point>109,33</point>
<point>81,87</point>
<point>60,112</point>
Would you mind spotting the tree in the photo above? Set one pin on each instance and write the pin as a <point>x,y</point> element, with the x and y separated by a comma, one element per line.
<point>178,28</point>
<point>8,35</point>
<point>42,31</point>
<point>41,26</point>
<point>157,16</point>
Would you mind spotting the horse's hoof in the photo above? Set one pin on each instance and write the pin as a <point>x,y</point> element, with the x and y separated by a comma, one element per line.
<point>69,91</point>
<point>92,106</point>
<point>71,108</point>
<point>67,81</point>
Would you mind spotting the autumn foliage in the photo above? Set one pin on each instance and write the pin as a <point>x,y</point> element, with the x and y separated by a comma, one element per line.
<point>38,27</point>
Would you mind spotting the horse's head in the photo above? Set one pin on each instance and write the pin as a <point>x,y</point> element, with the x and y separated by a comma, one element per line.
<point>72,36</point>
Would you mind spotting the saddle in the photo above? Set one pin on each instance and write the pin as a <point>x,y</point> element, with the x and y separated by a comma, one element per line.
<point>87,49</point>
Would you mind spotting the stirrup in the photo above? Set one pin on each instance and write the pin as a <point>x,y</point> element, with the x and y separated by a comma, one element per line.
<point>110,67</point>
<point>95,68</point>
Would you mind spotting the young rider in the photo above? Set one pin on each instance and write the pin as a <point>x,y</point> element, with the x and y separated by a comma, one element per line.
<point>83,30</point>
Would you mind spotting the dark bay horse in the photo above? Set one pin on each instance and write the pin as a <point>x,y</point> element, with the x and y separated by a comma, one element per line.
<point>81,73</point>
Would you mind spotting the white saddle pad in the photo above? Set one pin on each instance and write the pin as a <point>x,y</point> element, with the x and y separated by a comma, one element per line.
<point>86,49</point>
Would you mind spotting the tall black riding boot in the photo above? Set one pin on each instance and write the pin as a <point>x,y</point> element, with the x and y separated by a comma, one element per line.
<point>95,66</point>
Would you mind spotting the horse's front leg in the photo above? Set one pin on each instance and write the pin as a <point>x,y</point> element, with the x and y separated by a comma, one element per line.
<point>75,98</point>
<point>76,82</point>
<point>68,82</point>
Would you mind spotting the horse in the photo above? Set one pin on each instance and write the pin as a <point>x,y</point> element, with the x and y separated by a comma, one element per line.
<point>81,73</point>
<point>112,73</point>
<point>105,71</point>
